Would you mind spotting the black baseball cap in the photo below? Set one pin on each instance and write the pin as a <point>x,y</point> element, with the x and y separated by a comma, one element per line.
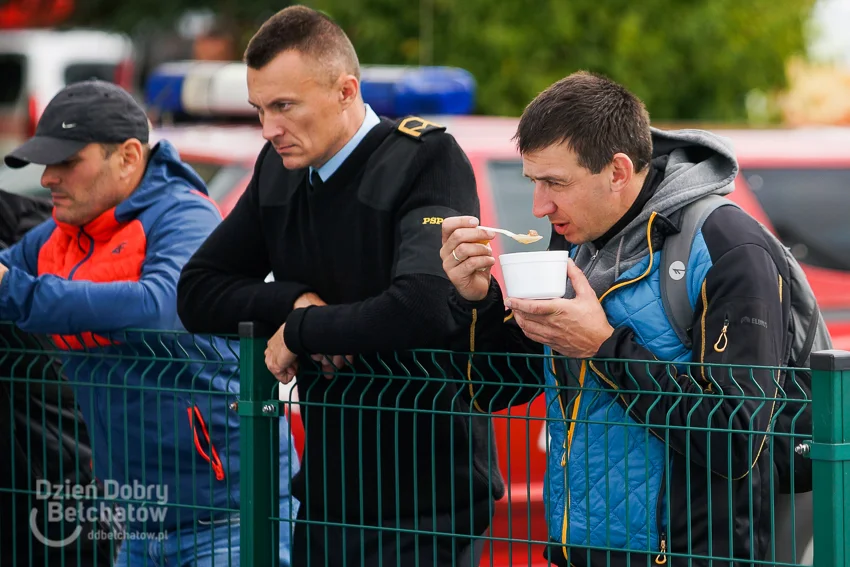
<point>80,114</point>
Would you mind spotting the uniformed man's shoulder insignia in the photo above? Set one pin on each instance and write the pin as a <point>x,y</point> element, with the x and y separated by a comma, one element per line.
<point>416,127</point>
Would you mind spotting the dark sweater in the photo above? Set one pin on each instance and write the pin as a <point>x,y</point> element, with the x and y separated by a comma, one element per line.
<point>367,242</point>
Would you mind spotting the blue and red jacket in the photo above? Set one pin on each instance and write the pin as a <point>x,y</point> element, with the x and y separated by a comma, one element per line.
<point>156,403</point>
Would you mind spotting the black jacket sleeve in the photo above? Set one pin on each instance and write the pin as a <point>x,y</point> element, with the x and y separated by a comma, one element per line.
<point>19,214</point>
<point>740,322</point>
<point>224,284</point>
<point>504,367</point>
<point>412,312</point>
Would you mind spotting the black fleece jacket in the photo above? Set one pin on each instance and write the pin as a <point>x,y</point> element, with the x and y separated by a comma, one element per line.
<point>367,242</point>
<point>741,320</point>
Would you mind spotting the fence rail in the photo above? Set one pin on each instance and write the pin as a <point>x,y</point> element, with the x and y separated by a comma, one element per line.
<point>643,461</point>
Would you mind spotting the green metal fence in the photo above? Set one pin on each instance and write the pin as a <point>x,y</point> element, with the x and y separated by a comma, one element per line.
<point>115,440</point>
<point>392,456</point>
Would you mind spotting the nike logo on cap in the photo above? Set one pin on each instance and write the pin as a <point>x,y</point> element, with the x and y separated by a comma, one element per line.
<point>66,126</point>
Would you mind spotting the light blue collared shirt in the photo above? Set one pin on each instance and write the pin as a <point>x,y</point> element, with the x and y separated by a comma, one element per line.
<point>333,164</point>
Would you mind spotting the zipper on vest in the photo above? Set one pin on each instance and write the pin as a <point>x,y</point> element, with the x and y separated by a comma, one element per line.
<point>709,386</point>
<point>621,285</point>
<point>566,507</point>
<point>661,558</point>
<point>568,446</point>
<point>583,371</point>
<point>591,264</point>
<point>88,254</point>
<point>564,466</point>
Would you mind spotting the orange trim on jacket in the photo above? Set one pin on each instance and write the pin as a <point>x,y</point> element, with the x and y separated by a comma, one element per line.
<point>104,250</point>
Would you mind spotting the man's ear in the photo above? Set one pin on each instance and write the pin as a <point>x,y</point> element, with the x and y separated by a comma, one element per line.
<point>622,172</point>
<point>349,90</point>
<point>132,155</point>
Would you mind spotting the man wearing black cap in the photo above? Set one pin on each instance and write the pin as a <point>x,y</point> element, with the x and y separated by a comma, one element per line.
<point>83,122</point>
<point>126,218</point>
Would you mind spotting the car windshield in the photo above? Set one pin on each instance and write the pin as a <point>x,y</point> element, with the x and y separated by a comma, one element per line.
<point>512,200</point>
<point>86,71</point>
<point>226,180</point>
<point>220,179</point>
<point>23,181</point>
<point>12,71</point>
<point>808,208</point>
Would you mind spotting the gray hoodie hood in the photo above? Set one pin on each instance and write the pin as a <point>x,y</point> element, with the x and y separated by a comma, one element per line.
<point>699,163</point>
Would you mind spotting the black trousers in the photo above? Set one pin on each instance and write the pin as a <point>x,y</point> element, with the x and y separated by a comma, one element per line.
<point>391,545</point>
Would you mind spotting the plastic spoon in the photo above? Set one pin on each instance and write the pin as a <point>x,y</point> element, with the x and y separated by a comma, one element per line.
<point>521,238</point>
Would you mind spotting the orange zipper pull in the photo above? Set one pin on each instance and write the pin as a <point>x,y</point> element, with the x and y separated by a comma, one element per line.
<point>662,557</point>
<point>722,337</point>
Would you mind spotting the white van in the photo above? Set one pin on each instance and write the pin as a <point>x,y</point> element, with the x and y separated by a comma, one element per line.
<point>36,64</point>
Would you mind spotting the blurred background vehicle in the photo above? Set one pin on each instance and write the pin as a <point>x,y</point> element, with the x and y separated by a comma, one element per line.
<point>36,64</point>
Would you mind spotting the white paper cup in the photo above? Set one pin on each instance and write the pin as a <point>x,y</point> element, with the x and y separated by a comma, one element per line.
<point>535,275</point>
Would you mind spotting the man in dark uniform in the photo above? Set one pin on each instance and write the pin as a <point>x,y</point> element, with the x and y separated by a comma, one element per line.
<point>345,209</point>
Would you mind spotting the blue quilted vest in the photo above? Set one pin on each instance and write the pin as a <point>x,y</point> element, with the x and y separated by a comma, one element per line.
<point>606,475</point>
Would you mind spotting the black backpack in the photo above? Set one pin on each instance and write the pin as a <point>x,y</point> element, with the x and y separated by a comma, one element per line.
<point>808,333</point>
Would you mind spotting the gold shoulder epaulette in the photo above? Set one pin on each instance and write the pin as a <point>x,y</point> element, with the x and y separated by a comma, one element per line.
<point>416,127</point>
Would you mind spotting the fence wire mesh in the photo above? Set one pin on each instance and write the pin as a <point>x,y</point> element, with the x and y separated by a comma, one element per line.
<point>134,442</point>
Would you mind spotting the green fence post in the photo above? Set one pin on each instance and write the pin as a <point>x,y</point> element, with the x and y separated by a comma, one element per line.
<point>258,458</point>
<point>830,454</point>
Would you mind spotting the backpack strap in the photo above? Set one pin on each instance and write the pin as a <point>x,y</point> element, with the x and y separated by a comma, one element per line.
<point>674,260</point>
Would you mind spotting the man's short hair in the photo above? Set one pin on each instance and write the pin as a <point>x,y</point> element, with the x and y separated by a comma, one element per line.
<point>594,115</point>
<point>307,31</point>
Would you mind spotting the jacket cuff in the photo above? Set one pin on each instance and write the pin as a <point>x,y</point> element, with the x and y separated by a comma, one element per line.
<point>292,331</point>
<point>460,305</point>
<point>465,306</point>
<point>15,284</point>
<point>613,344</point>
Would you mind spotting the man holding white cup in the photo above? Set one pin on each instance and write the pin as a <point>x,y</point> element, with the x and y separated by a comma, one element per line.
<point>580,327</point>
<point>645,459</point>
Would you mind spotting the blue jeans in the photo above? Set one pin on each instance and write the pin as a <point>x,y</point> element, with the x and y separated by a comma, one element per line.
<point>204,545</point>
